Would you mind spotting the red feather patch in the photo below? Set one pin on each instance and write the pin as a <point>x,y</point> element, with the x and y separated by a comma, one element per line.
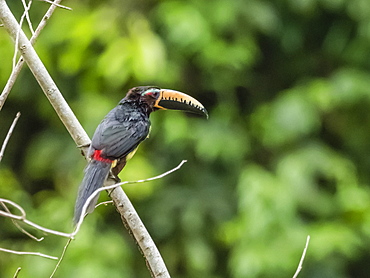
<point>97,156</point>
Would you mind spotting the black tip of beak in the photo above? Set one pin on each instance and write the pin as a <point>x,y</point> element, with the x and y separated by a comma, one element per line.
<point>205,112</point>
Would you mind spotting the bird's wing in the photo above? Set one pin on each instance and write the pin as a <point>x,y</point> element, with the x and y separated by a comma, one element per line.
<point>118,137</point>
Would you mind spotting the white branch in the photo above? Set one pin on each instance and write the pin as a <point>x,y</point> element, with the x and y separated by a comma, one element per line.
<point>8,135</point>
<point>19,227</point>
<point>17,272</point>
<point>299,268</point>
<point>22,217</point>
<point>57,4</point>
<point>61,257</point>
<point>28,253</point>
<point>16,70</point>
<point>27,15</point>
<point>43,77</point>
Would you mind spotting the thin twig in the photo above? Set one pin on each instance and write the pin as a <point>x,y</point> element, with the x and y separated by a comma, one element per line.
<point>299,268</point>
<point>26,9</point>
<point>104,203</point>
<point>17,272</point>
<point>28,253</point>
<point>1,156</point>
<point>23,218</point>
<point>61,257</point>
<point>159,176</point>
<point>43,77</point>
<point>57,5</point>
<point>16,70</point>
<point>9,214</point>
<point>25,14</point>
<point>8,135</point>
<point>15,223</point>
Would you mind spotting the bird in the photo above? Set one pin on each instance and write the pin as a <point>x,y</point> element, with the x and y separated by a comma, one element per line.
<point>119,134</point>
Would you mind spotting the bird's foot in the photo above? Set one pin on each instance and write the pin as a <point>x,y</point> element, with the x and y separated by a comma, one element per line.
<point>83,146</point>
<point>115,177</point>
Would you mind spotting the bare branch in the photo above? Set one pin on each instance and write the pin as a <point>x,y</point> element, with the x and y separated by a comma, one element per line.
<point>43,77</point>
<point>17,272</point>
<point>26,14</point>
<point>26,8</point>
<point>137,229</point>
<point>23,218</point>
<point>8,135</point>
<point>159,176</point>
<point>9,214</point>
<point>61,257</point>
<point>16,70</point>
<point>57,5</point>
<point>299,268</point>
<point>19,227</point>
<point>28,253</point>
<point>104,203</point>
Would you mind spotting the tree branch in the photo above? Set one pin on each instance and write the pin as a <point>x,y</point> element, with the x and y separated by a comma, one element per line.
<point>28,253</point>
<point>19,227</point>
<point>23,217</point>
<point>299,268</point>
<point>43,77</point>
<point>8,135</point>
<point>17,272</point>
<point>155,262</point>
<point>27,15</point>
<point>61,257</point>
<point>56,3</point>
<point>17,69</point>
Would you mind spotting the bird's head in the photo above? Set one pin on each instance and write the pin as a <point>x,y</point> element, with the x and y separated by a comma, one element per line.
<point>156,98</point>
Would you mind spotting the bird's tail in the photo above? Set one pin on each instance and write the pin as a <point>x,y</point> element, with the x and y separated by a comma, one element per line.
<point>96,173</point>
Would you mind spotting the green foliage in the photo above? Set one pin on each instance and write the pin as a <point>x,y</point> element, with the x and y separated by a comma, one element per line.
<point>283,155</point>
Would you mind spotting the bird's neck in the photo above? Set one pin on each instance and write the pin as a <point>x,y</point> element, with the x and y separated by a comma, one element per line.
<point>135,105</point>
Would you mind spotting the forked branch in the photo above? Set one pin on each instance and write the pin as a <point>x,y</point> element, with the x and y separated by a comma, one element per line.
<point>17,69</point>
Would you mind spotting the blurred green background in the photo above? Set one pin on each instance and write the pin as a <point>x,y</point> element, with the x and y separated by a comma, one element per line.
<point>284,154</point>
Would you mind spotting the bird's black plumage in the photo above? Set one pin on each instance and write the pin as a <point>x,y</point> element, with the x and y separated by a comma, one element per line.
<point>118,134</point>
<point>121,131</point>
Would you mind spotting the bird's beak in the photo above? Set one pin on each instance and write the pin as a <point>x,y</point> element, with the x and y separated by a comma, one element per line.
<point>174,100</point>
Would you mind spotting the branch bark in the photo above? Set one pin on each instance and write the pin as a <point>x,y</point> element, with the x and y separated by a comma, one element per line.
<point>155,262</point>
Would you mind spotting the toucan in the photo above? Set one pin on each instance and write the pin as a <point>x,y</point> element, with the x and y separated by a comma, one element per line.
<point>121,131</point>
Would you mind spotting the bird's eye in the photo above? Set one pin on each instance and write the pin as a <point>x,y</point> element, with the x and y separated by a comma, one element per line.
<point>151,92</point>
